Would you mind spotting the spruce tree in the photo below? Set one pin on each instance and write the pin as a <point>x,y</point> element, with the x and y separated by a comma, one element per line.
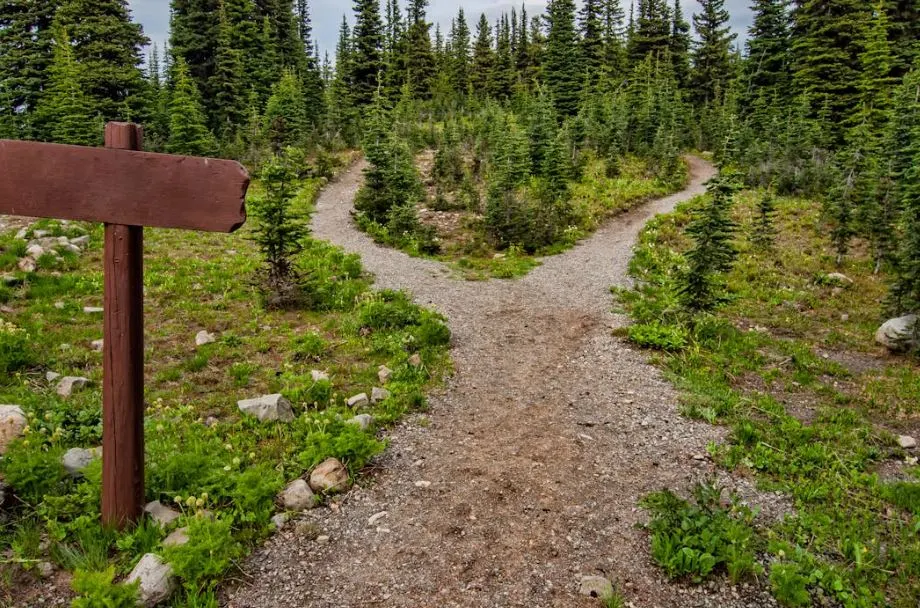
<point>285,113</point>
<point>367,51</point>
<point>614,39</point>
<point>903,34</point>
<point>188,131</point>
<point>107,44</point>
<point>650,33</point>
<point>419,61</point>
<point>311,78</point>
<point>764,228</point>
<point>906,289</point>
<point>591,26</point>
<point>562,64</point>
<point>713,252</point>
<point>767,66</point>
<point>460,55</point>
<point>712,63</point>
<point>229,107</point>
<point>66,110</point>
<point>503,73</point>
<point>680,46</point>
<point>156,129</point>
<point>483,57</point>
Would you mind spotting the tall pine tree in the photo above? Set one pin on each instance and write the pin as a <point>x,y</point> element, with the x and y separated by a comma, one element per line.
<point>562,63</point>
<point>712,63</point>
<point>367,51</point>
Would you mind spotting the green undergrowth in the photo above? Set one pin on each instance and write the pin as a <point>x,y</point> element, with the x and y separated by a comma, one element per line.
<point>222,470</point>
<point>790,367</point>
<point>469,252</point>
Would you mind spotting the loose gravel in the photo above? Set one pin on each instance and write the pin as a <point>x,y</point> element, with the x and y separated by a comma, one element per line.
<point>526,472</point>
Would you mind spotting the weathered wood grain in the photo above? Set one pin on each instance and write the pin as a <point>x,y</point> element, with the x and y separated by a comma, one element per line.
<point>121,187</point>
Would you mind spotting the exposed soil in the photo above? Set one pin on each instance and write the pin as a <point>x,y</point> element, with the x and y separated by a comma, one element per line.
<point>526,472</point>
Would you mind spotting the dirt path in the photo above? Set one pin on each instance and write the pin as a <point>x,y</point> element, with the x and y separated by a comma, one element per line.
<point>536,452</point>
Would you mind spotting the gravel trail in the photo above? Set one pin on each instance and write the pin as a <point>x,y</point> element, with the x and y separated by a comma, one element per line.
<point>527,474</point>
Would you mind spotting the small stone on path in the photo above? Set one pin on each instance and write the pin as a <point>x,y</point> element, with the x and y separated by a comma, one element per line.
<point>422,484</point>
<point>204,337</point>
<point>596,586</point>
<point>297,496</point>
<point>268,408</point>
<point>376,517</point>
<point>330,476</point>
<point>157,581</point>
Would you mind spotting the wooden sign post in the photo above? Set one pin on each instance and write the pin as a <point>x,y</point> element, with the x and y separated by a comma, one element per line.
<point>127,190</point>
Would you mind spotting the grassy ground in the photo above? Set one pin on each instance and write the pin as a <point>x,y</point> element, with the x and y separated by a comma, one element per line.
<point>467,249</point>
<point>812,404</point>
<point>201,454</point>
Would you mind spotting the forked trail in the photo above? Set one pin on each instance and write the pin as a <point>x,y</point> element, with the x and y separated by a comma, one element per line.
<point>536,453</point>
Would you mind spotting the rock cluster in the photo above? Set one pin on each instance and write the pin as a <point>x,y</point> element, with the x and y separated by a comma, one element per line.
<point>42,244</point>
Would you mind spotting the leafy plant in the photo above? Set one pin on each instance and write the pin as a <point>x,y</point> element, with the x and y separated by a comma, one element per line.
<point>98,590</point>
<point>658,336</point>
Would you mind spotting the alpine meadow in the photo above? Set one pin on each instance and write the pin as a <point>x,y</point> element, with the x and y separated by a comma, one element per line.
<point>565,304</point>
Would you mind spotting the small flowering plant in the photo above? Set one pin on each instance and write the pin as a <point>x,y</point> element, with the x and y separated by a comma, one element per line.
<point>14,347</point>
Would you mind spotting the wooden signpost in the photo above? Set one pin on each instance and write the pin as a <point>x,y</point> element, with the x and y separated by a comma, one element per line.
<point>127,190</point>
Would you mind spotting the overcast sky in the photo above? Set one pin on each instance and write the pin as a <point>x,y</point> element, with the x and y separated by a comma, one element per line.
<point>327,14</point>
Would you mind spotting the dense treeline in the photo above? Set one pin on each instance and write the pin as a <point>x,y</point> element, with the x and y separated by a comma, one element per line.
<point>822,100</point>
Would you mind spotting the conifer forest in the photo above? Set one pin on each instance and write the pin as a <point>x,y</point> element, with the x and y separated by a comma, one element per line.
<point>675,265</point>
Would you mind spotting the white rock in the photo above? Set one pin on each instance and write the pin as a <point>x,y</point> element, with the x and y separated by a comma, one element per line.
<point>279,520</point>
<point>97,345</point>
<point>160,513</point>
<point>297,496</point>
<point>373,519</point>
<point>899,334</point>
<point>12,424</point>
<point>80,241</point>
<point>415,360</point>
<point>70,384</point>
<point>319,376</point>
<point>22,233</point>
<point>26,265</point>
<point>204,337</point>
<point>330,476</point>
<point>35,251</point>
<point>93,310</point>
<point>422,484</point>
<point>45,569</point>
<point>267,408</point>
<point>59,305</point>
<point>177,538</point>
<point>322,539</point>
<point>77,459</point>
<point>907,442</point>
<point>40,234</point>
<point>596,586</point>
<point>157,581</point>
<point>384,374</point>
<point>52,376</point>
<point>364,421</point>
<point>379,394</point>
<point>357,400</point>
<point>72,249</point>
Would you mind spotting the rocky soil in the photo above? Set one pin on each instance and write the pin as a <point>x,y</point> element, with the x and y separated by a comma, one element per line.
<point>525,474</point>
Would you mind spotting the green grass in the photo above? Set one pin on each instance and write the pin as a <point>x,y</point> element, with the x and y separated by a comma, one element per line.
<point>595,197</point>
<point>233,468</point>
<point>789,365</point>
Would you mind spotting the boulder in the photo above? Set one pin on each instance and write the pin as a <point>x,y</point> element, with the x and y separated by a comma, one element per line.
<point>379,394</point>
<point>204,337</point>
<point>907,442</point>
<point>160,513</point>
<point>596,586</point>
<point>77,459</point>
<point>70,384</point>
<point>364,421</point>
<point>35,251</point>
<point>384,374</point>
<point>357,400</point>
<point>156,578</point>
<point>330,476</point>
<point>899,334</point>
<point>177,538</point>
<point>319,376</point>
<point>12,424</point>
<point>268,408</point>
<point>297,496</point>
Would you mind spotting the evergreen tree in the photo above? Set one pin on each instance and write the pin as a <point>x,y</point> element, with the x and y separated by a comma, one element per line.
<point>712,63</point>
<point>312,77</point>
<point>25,55</point>
<point>826,49</point>
<point>713,252</point>
<point>483,57</point>
<point>614,43</point>
<point>285,113</point>
<point>651,32</point>
<point>592,38</point>
<point>229,105</point>
<point>906,289</point>
<point>66,110</point>
<point>767,65</point>
<point>107,44</point>
<point>503,74</point>
<point>367,51</point>
<point>460,55</point>
<point>156,129</point>
<point>562,63</point>
<point>764,228</point>
<point>419,60</point>
<point>680,46</point>
<point>188,131</point>
<point>903,34</point>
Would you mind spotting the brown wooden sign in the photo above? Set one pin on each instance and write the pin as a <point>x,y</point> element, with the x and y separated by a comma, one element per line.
<point>127,190</point>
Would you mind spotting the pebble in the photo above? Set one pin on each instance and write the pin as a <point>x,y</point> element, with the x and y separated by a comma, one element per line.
<point>357,400</point>
<point>384,374</point>
<point>68,385</point>
<point>379,394</point>
<point>422,484</point>
<point>330,476</point>
<point>93,310</point>
<point>204,337</point>
<point>97,345</point>
<point>319,376</point>
<point>376,517</point>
